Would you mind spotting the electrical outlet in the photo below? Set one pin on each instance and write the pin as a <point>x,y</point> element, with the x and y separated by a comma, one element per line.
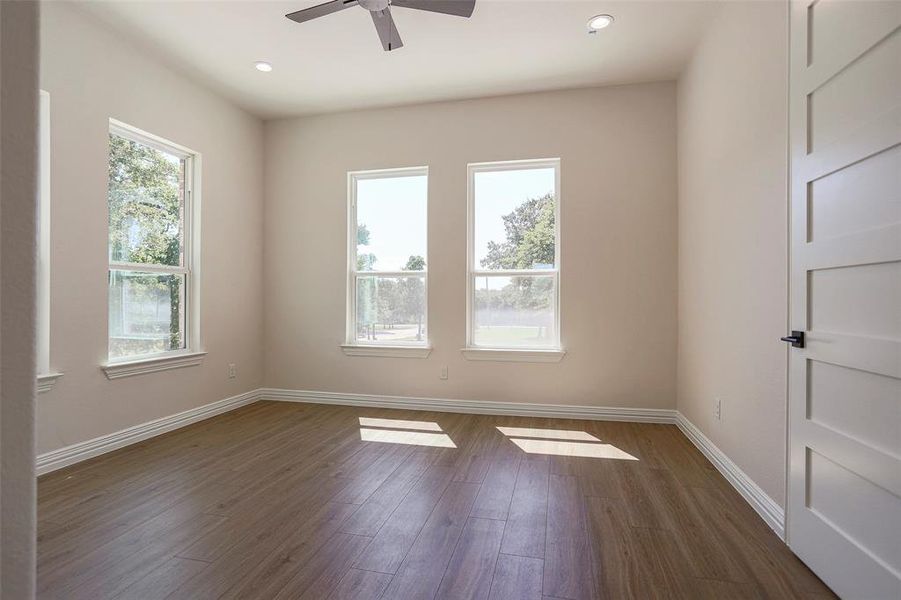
<point>443,372</point>
<point>232,371</point>
<point>718,409</point>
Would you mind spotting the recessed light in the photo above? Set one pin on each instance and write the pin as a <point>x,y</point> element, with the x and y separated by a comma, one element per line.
<point>262,65</point>
<point>599,22</point>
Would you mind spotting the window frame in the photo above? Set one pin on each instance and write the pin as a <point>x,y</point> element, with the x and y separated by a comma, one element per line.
<point>472,351</point>
<point>46,377</point>
<point>192,352</point>
<point>352,346</point>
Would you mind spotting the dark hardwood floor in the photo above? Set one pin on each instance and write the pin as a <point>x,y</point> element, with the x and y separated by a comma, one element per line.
<point>281,500</point>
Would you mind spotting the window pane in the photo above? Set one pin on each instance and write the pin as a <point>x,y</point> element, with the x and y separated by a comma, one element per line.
<point>514,219</point>
<point>391,223</point>
<point>514,311</point>
<point>146,204</point>
<point>146,313</point>
<point>390,309</point>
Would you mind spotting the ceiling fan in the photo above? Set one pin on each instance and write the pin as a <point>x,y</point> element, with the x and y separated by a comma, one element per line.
<point>381,13</point>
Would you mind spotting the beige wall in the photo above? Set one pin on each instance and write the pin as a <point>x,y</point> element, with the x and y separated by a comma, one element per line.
<point>274,270</point>
<point>18,181</point>
<point>92,74</point>
<point>733,238</point>
<point>617,147</point>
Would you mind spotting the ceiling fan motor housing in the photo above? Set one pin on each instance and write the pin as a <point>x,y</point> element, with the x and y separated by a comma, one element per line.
<point>374,5</point>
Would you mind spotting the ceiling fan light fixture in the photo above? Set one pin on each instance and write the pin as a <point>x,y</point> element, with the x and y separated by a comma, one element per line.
<point>262,65</point>
<point>598,22</point>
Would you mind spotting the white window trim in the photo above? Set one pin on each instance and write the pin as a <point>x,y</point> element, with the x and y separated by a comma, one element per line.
<point>395,351</point>
<point>192,354</point>
<point>352,346</point>
<point>46,381</point>
<point>152,364</point>
<point>520,355</point>
<point>46,377</point>
<point>472,351</point>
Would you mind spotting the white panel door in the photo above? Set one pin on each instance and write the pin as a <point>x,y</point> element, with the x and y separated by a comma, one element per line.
<point>844,494</point>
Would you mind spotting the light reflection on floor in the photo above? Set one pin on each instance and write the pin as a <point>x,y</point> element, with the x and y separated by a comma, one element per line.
<point>413,438</point>
<point>394,431</point>
<point>562,442</point>
<point>399,424</point>
<point>550,434</point>
<point>531,440</point>
<point>561,448</point>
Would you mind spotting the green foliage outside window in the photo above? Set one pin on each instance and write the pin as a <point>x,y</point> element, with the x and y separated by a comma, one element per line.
<point>388,302</point>
<point>530,244</point>
<point>146,215</point>
<point>530,237</point>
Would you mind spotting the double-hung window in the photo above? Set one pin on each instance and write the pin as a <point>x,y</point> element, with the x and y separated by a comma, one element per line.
<point>152,284</point>
<point>513,287</point>
<point>387,263</point>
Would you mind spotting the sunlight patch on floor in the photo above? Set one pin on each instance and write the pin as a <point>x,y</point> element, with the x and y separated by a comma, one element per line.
<point>548,434</point>
<point>562,442</point>
<point>414,438</point>
<point>399,424</point>
<point>563,448</point>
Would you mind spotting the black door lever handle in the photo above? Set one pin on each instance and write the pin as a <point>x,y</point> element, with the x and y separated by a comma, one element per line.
<point>796,339</point>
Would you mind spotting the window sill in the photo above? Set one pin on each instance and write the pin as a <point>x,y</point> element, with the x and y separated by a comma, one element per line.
<point>387,351</point>
<point>129,368</point>
<point>46,381</point>
<point>504,355</point>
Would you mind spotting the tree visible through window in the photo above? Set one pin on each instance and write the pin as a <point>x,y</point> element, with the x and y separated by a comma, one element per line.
<point>514,266</point>
<point>389,220</point>
<point>149,271</point>
<point>531,237</point>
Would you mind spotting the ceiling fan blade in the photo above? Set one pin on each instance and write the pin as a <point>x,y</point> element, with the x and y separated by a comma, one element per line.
<point>320,10</point>
<point>460,8</point>
<point>384,24</point>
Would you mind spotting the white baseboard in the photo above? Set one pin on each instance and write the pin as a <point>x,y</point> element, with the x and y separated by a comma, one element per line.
<point>481,407</point>
<point>63,457</point>
<point>768,509</point>
<point>765,506</point>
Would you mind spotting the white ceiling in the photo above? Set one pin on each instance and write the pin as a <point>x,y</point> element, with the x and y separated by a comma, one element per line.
<point>336,62</point>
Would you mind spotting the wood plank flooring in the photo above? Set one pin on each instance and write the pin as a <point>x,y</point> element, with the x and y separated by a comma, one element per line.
<point>281,500</point>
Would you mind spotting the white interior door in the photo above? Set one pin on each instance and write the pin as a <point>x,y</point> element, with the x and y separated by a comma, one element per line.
<point>844,500</point>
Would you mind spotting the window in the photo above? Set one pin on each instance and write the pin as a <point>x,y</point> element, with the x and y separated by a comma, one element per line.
<point>387,274</point>
<point>152,284</point>
<point>514,256</point>
<point>46,378</point>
